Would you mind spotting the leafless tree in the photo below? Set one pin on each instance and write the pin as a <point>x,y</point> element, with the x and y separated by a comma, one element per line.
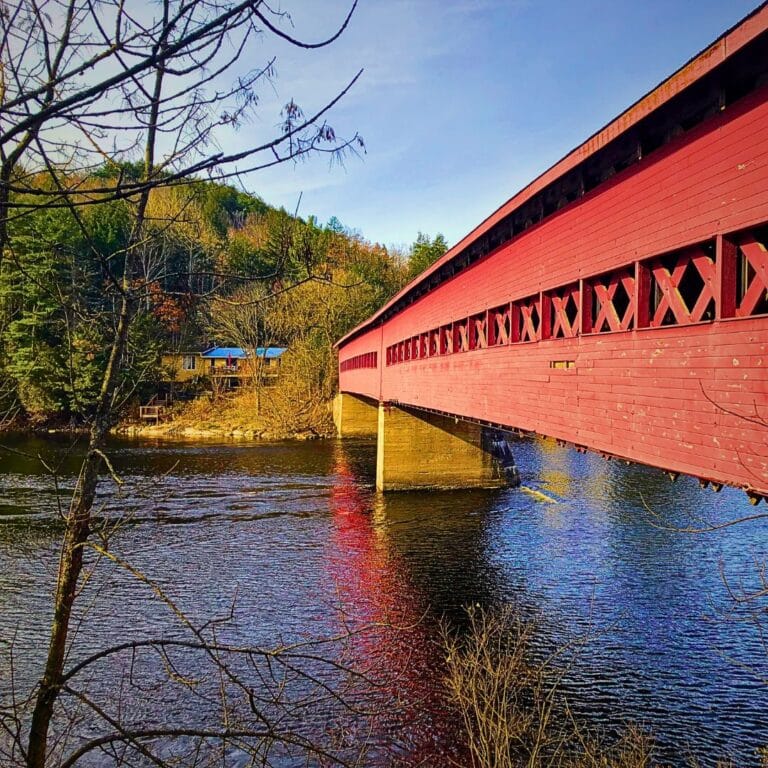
<point>89,83</point>
<point>256,703</point>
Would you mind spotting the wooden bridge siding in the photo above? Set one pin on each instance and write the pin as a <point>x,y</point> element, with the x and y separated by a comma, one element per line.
<point>363,381</point>
<point>636,394</point>
<point>713,179</point>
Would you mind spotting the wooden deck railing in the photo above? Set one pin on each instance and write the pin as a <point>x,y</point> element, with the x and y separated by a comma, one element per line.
<point>156,412</point>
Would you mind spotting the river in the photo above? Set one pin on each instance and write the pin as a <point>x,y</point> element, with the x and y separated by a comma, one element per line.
<point>292,531</point>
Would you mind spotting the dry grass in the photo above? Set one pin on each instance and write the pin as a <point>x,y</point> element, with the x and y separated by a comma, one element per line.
<point>512,709</point>
<point>237,411</point>
<point>288,409</point>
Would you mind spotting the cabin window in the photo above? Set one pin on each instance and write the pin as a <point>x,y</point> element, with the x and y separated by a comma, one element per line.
<point>189,363</point>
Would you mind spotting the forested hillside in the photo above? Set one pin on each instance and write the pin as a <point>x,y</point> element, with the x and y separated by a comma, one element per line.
<point>214,265</point>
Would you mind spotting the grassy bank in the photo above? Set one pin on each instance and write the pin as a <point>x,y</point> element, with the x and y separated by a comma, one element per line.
<point>273,413</point>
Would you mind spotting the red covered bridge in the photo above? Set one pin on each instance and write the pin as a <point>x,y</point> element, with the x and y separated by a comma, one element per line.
<point>619,302</point>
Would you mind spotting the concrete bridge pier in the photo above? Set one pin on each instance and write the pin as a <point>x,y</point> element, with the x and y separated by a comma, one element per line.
<point>355,416</point>
<point>419,450</point>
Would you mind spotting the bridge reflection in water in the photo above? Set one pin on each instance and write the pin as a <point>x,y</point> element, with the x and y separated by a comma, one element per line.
<point>583,556</point>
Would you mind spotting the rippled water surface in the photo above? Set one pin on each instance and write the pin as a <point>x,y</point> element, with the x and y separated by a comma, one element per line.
<point>295,529</point>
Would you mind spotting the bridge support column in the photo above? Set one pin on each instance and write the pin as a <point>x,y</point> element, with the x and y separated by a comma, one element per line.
<point>423,450</point>
<point>355,416</point>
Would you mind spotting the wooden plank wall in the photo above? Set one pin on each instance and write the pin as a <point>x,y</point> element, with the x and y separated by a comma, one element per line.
<point>687,398</point>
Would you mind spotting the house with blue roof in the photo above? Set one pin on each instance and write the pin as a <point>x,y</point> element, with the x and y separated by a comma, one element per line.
<point>226,367</point>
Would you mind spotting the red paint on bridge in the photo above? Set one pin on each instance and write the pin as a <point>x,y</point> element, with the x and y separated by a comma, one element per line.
<point>620,302</point>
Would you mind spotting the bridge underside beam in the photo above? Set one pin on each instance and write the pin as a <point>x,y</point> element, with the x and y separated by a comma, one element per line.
<point>419,450</point>
<point>355,416</point>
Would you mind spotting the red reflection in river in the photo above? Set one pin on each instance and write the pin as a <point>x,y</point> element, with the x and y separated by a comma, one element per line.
<point>373,586</point>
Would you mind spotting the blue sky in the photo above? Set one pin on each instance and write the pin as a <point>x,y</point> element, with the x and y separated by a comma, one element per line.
<point>463,102</point>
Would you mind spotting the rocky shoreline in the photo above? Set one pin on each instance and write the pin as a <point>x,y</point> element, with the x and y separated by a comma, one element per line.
<point>173,431</point>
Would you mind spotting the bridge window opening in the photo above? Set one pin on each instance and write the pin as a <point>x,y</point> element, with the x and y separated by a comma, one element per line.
<point>424,345</point>
<point>597,170</point>
<point>528,317</point>
<point>631,153</point>
<point>499,326</point>
<point>705,111</point>
<point>610,301</point>
<point>564,312</point>
<point>434,342</point>
<point>682,287</point>
<point>366,360</point>
<point>752,273</point>
<point>562,364</point>
<point>749,82</point>
<point>651,141</point>
<point>702,101</point>
<point>446,340</point>
<point>461,335</point>
<point>478,331</point>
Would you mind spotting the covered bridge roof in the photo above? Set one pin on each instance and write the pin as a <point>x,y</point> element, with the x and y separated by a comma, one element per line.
<point>729,68</point>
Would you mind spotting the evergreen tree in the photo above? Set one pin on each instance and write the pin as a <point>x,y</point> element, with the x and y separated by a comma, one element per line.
<point>424,252</point>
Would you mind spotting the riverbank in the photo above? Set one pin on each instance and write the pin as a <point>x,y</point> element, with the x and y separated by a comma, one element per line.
<point>247,415</point>
<point>21,425</point>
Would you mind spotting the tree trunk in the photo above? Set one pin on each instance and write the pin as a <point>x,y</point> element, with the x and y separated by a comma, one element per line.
<point>78,528</point>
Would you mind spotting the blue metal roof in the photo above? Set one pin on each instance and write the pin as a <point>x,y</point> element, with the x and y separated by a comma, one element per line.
<point>238,353</point>
<point>224,352</point>
<point>270,353</point>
